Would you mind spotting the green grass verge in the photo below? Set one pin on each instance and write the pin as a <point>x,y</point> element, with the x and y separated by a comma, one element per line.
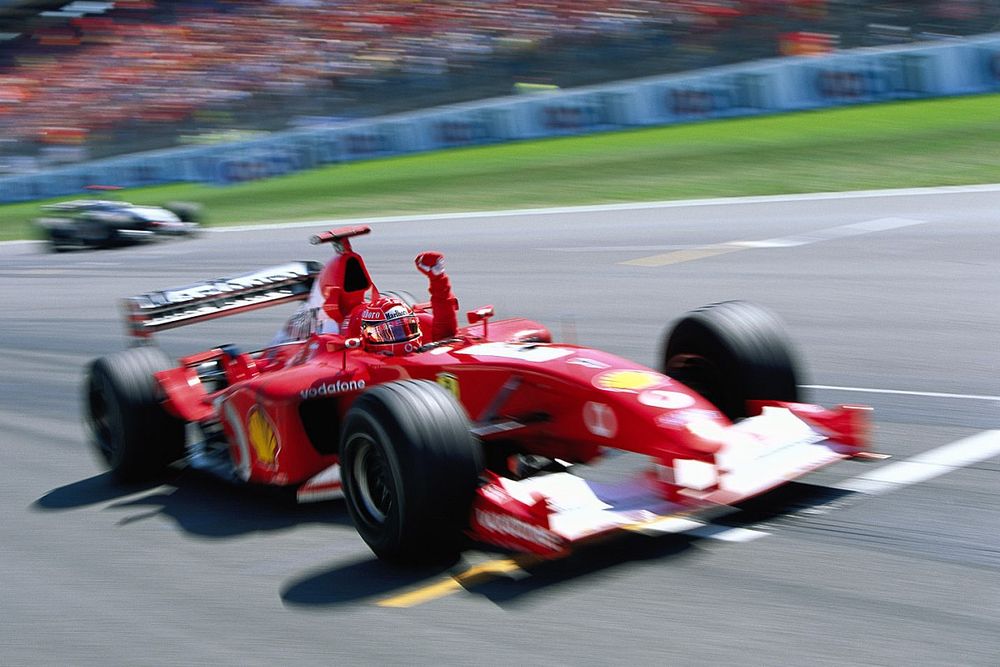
<point>952,141</point>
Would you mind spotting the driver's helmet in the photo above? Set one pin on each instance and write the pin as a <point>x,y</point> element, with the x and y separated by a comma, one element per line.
<point>389,326</point>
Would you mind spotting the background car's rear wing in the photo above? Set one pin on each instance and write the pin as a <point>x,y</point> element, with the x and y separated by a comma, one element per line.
<point>155,311</point>
<point>77,204</point>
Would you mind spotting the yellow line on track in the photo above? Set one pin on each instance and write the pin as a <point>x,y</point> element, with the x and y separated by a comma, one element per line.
<point>422,595</point>
<point>679,256</point>
<point>479,574</point>
<point>472,576</point>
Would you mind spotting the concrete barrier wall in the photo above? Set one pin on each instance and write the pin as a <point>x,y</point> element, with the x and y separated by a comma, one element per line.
<point>955,67</point>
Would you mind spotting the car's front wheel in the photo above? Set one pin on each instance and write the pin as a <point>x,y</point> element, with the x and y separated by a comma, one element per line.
<point>410,467</point>
<point>730,353</point>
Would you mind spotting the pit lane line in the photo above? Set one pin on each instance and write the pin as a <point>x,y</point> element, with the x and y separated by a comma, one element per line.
<point>920,468</point>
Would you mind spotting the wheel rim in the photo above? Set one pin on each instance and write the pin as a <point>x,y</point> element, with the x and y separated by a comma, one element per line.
<point>373,480</point>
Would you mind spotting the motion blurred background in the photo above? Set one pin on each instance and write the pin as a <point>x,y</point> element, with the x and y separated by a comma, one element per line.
<point>88,79</point>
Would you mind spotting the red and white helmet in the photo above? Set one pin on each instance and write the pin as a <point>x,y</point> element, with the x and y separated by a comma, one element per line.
<point>388,325</point>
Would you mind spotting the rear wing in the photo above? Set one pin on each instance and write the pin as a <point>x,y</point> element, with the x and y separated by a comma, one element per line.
<point>78,204</point>
<point>148,313</point>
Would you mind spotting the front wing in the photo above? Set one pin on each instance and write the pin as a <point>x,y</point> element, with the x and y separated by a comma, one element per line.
<point>549,514</point>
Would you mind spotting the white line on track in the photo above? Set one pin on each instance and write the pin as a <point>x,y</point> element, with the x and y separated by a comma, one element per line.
<point>624,248</point>
<point>672,525</point>
<point>599,208</point>
<point>891,477</point>
<point>831,233</point>
<point>631,206</point>
<point>827,234</point>
<point>725,534</point>
<point>926,466</point>
<point>815,236</point>
<point>902,392</point>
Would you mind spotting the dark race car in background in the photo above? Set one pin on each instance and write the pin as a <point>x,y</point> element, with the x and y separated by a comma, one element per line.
<point>106,223</point>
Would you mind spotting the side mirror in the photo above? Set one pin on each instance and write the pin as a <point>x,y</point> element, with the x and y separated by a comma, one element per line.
<point>480,314</point>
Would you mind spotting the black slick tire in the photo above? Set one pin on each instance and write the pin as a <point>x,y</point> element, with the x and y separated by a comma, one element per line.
<point>129,427</point>
<point>410,467</point>
<point>732,352</point>
<point>186,211</point>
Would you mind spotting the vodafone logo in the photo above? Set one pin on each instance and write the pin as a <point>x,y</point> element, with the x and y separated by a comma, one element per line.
<point>600,419</point>
<point>332,388</point>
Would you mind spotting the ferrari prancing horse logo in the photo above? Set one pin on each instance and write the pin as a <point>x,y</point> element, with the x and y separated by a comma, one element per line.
<point>449,382</point>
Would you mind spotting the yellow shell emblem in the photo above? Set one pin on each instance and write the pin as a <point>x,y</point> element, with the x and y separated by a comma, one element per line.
<point>262,437</point>
<point>627,380</point>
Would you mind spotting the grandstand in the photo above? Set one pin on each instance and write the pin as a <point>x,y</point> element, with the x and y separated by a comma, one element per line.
<point>88,79</point>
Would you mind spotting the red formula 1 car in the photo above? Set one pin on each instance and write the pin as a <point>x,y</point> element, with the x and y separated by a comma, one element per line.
<point>470,432</point>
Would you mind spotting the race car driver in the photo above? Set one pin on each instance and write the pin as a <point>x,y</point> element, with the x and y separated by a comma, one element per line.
<point>325,311</point>
<point>389,326</point>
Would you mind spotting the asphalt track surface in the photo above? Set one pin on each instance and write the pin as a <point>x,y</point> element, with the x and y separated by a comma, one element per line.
<point>895,293</point>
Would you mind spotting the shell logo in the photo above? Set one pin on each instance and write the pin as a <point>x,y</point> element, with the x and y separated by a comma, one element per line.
<point>628,380</point>
<point>263,439</point>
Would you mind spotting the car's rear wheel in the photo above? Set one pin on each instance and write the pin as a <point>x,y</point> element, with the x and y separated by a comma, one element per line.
<point>730,353</point>
<point>129,427</point>
<point>410,467</point>
<point>186,211</point>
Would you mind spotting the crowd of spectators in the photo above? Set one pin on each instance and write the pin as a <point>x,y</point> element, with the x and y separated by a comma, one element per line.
<point>149,70</point>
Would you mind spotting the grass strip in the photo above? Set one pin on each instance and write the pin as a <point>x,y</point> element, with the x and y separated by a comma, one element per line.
<point>953,141</point>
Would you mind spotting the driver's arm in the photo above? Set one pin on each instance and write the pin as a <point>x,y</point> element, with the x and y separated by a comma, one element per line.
<point>443,302</point>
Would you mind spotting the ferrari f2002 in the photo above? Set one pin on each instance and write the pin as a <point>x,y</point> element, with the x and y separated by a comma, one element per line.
<point>434,433</point>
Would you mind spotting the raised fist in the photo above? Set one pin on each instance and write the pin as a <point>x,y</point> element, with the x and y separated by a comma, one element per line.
<point>430,263</point>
